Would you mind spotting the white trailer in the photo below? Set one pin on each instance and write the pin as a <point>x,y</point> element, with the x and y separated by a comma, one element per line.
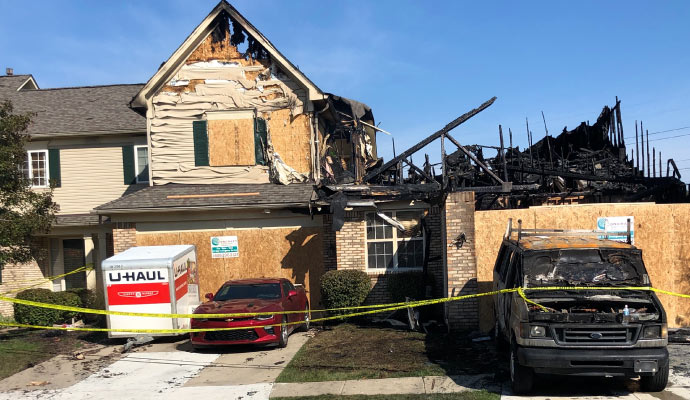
<point>151,279</point>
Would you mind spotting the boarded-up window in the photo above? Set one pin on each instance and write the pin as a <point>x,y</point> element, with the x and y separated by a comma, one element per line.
<point>231,138</point>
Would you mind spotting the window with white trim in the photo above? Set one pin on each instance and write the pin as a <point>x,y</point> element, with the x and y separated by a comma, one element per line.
<point>391,248</point>
<point>35,168</point>
<point>141,163</point>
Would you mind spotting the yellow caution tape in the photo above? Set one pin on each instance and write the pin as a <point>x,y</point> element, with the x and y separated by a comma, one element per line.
<point>377,308</point>
<point>41,281</point>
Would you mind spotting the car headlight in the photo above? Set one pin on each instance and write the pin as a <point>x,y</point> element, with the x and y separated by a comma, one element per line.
<point>537,331</point>
<point>654,332</point>
<point>263,317</point>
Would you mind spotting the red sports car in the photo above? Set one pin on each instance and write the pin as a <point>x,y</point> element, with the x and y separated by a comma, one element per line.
<point>252,296</point>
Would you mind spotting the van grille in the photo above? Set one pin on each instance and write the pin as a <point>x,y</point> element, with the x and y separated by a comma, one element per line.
<point>597,335</point>
<point>241,334</point>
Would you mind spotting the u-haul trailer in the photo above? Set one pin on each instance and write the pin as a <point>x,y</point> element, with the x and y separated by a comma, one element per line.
<point>151,279</point>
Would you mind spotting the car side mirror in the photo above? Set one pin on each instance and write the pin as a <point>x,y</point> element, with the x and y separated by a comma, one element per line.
<point>292,293</point>
<point>209,296</point>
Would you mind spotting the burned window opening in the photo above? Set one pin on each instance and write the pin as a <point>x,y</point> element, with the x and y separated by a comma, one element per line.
<point>238,37</point>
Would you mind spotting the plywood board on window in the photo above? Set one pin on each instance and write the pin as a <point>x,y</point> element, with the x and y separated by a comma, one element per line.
<point>290,252</point>
<point>291,137</point>
<point>231,142</point>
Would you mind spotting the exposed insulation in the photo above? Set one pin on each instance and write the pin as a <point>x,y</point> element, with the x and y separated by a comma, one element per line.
<point>231,142</point>
<point>264,253</point>
<point>661,233</point>
<point>216,77</point>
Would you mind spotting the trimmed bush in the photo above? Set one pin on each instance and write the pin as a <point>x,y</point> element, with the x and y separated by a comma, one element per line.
<point>90,299</point>
<point>45,316</point>
<point>36,315</point>
<point>344,288</point>
<point>67,299</point>
<point>407,284</point>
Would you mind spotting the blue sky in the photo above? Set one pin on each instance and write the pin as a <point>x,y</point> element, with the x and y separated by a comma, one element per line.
<point>417,64</point>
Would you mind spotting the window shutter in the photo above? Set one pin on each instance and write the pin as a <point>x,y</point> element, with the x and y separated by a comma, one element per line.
<point>260,140</point>
<point>54,167</point>
<point>128,164</point>
<point>200,143</point>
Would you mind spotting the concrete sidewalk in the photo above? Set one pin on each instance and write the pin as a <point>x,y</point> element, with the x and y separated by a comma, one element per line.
<point>412,385</point>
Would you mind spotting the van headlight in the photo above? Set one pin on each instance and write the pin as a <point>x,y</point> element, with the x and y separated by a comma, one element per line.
<point>654,332</point>
<point>263,317</point>
<point>537,331</point>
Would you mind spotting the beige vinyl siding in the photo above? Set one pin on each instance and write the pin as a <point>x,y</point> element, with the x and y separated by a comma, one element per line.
<point>91,176</point>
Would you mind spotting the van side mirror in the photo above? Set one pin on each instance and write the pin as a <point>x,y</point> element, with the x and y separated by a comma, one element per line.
<point>292,293</point>
<point>209,296</point>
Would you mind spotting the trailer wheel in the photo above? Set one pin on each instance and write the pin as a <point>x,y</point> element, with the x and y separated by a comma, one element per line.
<point>283,341</point>
<point>521,377</point>
<point>656,382</point>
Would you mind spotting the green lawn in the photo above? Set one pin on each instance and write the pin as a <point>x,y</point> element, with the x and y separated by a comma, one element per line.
<point>348,351</point>
<point>477,395</point>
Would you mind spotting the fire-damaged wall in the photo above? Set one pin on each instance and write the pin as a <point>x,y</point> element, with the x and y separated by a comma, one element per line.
<point>661,232</point>
<point>229,71</point>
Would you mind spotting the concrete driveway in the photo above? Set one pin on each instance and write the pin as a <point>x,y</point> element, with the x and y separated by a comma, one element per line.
<point>160,370</point>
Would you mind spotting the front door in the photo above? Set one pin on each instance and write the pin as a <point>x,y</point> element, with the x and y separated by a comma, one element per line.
<point>74,257</point>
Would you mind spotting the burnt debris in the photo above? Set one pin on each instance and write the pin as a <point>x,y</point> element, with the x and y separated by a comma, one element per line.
<point>588,164</point>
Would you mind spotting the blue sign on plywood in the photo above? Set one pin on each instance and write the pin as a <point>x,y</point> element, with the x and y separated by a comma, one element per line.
<point>224,247</point>
<point>619,226</point>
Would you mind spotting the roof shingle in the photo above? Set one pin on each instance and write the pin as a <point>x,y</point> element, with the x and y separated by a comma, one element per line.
<point>175,196</point>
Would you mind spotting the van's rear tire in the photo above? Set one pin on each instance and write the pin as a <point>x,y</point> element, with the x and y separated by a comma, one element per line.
<point>521,377</point>
<point>656,382</point>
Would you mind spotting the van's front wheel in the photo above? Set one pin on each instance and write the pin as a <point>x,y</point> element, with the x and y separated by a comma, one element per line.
<point>521,377</point>
<point>656,382</point>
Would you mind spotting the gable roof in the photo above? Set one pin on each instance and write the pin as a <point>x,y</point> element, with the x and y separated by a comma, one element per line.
<point>13,83</point>
<point>177,197</point>
<point>72,111</point>
<point>168,69</point>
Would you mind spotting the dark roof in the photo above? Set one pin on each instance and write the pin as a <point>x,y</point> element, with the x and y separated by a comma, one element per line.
<point>75,219</point>
<point>86,109</point>
<point>158,198</point>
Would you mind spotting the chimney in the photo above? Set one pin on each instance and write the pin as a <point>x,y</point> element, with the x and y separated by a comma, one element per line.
<point>9,71</point>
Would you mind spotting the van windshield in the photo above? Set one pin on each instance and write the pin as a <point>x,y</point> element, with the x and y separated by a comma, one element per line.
<point>584,267</point>
<point>248,291</point>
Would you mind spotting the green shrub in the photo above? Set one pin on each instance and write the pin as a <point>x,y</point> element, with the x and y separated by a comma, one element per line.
<point>91,299</point>
<point>344,288</point>
<point>31,315</point>
<point>67,299</point>
<point>407,284</point>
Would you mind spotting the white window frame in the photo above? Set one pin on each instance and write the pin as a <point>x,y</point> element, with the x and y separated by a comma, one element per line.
<point>31,169</point>
<point>136,163</point>
<point>395,240</point>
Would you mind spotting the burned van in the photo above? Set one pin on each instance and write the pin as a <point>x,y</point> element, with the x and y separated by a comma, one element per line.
<point>583,309</point>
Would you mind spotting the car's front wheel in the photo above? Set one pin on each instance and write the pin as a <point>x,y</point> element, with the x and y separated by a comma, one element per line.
<point>521,377</point>
<point>656,382</point>
<point>283,340</point>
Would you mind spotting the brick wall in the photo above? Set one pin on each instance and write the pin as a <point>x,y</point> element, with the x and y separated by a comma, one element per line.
<point>461,264</point>
<point>124,236</point>
<point>330,258</point>
<point>350,241</point>
<point>16,276</point>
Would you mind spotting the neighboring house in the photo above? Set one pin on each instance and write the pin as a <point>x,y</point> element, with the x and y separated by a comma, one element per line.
<point>91,146</point>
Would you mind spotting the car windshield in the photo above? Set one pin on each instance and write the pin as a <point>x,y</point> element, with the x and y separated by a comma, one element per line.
<point>248,291</point>
<point>589,267</point>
